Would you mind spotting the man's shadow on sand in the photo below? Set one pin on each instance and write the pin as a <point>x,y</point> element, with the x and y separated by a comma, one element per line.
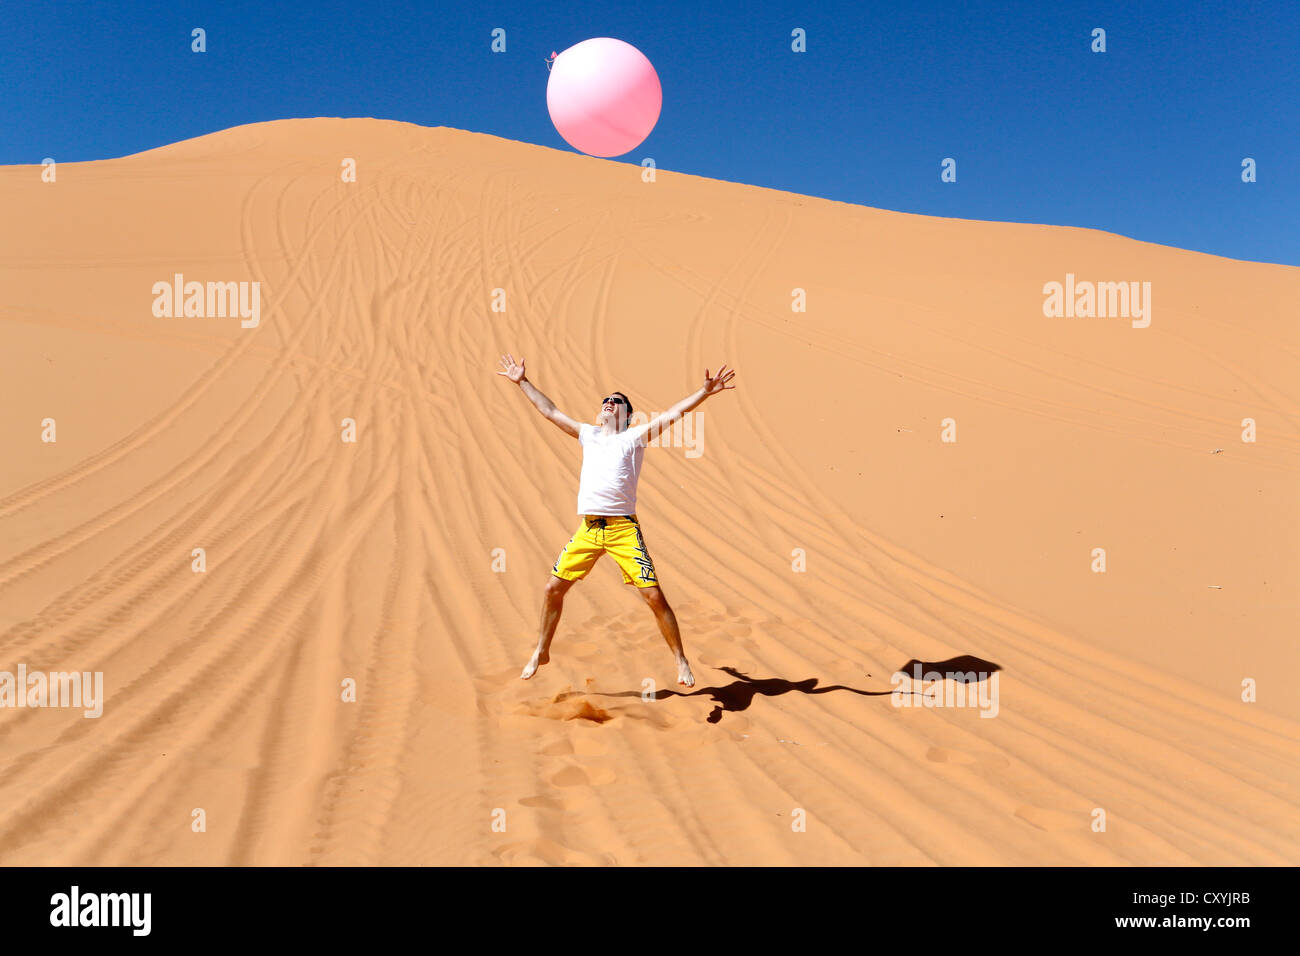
<point>740,693</point>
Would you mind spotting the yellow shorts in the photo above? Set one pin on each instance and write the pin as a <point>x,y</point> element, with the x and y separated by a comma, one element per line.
<point>597,534</point>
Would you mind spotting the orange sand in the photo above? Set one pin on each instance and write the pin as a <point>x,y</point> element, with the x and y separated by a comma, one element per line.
<point>374,560</point>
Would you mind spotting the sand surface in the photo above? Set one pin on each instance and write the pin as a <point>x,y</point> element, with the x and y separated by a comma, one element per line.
<point>373,561</point>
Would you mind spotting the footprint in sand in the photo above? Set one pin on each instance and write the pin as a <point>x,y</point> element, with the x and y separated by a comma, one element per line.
<point>561,748</point>
<point>586,745</point>
<point>544,803</point>
<point>575,776</point>
<point>566,705</point>
<point>738,725</point>
<point>684,719</point>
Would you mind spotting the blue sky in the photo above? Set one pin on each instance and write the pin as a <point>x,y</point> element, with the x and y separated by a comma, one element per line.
<point>1145,140</point>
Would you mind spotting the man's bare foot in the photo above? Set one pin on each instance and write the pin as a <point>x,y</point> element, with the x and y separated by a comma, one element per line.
<point>539,658</point>
<point>684,675</point>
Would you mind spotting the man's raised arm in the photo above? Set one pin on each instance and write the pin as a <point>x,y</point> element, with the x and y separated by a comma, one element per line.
<point>515,372</point>
<point>712,385</point>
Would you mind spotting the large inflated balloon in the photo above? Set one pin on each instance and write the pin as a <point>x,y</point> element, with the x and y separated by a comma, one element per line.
<point>604,96</point>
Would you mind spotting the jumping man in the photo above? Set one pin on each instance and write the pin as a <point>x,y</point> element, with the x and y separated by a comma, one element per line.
<point>611,465</point>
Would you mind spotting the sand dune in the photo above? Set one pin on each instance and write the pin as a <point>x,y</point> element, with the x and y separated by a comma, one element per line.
<point>373,561</point>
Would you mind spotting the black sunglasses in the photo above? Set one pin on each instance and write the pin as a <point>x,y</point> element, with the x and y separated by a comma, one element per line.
<point>613,398</point>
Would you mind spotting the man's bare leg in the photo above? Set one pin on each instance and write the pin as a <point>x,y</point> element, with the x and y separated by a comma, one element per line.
<point>552,605</point>
<point>672,634</point>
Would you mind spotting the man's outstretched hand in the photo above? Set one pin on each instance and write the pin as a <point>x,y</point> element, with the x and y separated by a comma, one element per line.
<point>717,383</point>
<point>512,370</point>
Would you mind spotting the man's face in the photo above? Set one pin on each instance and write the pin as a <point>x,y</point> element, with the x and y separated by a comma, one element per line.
<point>614,410</point>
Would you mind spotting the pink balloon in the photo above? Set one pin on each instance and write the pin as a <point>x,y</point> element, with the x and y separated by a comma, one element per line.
<point>604,96</point>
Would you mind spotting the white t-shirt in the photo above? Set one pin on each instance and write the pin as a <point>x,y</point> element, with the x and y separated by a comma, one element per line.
<point>611,465</point>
